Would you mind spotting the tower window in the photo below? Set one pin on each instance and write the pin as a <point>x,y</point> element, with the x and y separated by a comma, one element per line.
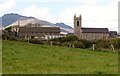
<point>77,23</point>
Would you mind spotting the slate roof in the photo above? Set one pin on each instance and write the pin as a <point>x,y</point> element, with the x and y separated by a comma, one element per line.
<point>95,30</point>
<point>39,29</point>
<point>113,32</point>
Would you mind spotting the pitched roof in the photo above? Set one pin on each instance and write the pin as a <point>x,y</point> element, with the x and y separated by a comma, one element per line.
<point>113,32</point>
<point>39,29</point>
<point>95,30</point>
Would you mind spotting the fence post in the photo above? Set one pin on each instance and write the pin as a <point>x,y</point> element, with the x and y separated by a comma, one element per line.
<point>93,47</point>
<point>51,43</point>
<point>112,48</point>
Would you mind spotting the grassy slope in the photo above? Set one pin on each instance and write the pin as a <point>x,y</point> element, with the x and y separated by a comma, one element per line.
<point>19,57</point>
<point>0,56</point>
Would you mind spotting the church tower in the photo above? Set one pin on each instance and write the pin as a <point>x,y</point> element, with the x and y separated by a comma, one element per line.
<point>77,26</point>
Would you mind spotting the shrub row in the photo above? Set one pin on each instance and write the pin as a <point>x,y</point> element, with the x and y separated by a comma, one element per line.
<point>82,43</point>
<point>35,41</point>
<point>71,41</point>
<point>106,43</point>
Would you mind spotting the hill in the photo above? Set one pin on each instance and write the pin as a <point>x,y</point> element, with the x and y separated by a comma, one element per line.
<point>0,23</point>
<point>8,19</point>
<point>12,19</point>
<point>63,25</point>
<point>26,58</point>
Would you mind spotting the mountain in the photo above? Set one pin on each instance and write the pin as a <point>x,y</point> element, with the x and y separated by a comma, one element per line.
<point>63,25</point>
<point>23,22</point>
<point>8,19</point>
<point>0,22</point>
<point>12,20</point>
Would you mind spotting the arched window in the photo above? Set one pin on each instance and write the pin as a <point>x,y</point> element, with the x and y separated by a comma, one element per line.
<point>77,23</point>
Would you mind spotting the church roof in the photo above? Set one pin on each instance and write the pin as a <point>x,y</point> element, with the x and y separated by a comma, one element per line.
<point>95,30</point>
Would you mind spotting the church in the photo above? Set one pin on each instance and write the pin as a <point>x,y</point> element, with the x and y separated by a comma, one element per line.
<point>89,33</point>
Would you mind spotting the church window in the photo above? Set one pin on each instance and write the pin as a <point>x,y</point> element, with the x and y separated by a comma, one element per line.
<point>77,23</point>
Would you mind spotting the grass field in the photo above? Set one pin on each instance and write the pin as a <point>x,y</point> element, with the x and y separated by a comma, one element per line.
<point>26,58</point>
<point>0,57</point>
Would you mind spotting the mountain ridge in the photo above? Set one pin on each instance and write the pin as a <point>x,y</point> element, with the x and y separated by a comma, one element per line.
<point>63,25</point>
<point>13,18</point>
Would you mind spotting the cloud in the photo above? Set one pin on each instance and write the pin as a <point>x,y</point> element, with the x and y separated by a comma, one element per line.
<point>34,11</point>
<point>40,13</point>
<point>61,1</point>
<point>87,2</point>
<point>8,4</point>
<point>93,15</point>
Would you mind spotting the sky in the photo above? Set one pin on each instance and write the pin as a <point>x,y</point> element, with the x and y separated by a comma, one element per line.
<point>95,13</point>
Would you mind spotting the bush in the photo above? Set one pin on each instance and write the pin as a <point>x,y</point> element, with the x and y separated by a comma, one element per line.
<point>35,41</point>
<point>79,44</point>
<point>65,39</point>
<point>106,43</point>
<point>56,43</point>
<point>86,43</point>
<point>118,43</point>
<point>8,37</point>
<point>8,29</point>
<point>23,40</point>
<point>71,40</point>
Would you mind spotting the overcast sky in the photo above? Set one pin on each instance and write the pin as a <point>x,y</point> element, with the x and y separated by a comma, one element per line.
<point>95,13</point>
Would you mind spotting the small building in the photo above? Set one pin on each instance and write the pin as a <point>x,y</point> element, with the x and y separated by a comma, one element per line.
<point>113,34</point>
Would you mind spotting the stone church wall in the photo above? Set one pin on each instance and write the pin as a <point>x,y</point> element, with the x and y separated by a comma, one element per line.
<point>92,36</point>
